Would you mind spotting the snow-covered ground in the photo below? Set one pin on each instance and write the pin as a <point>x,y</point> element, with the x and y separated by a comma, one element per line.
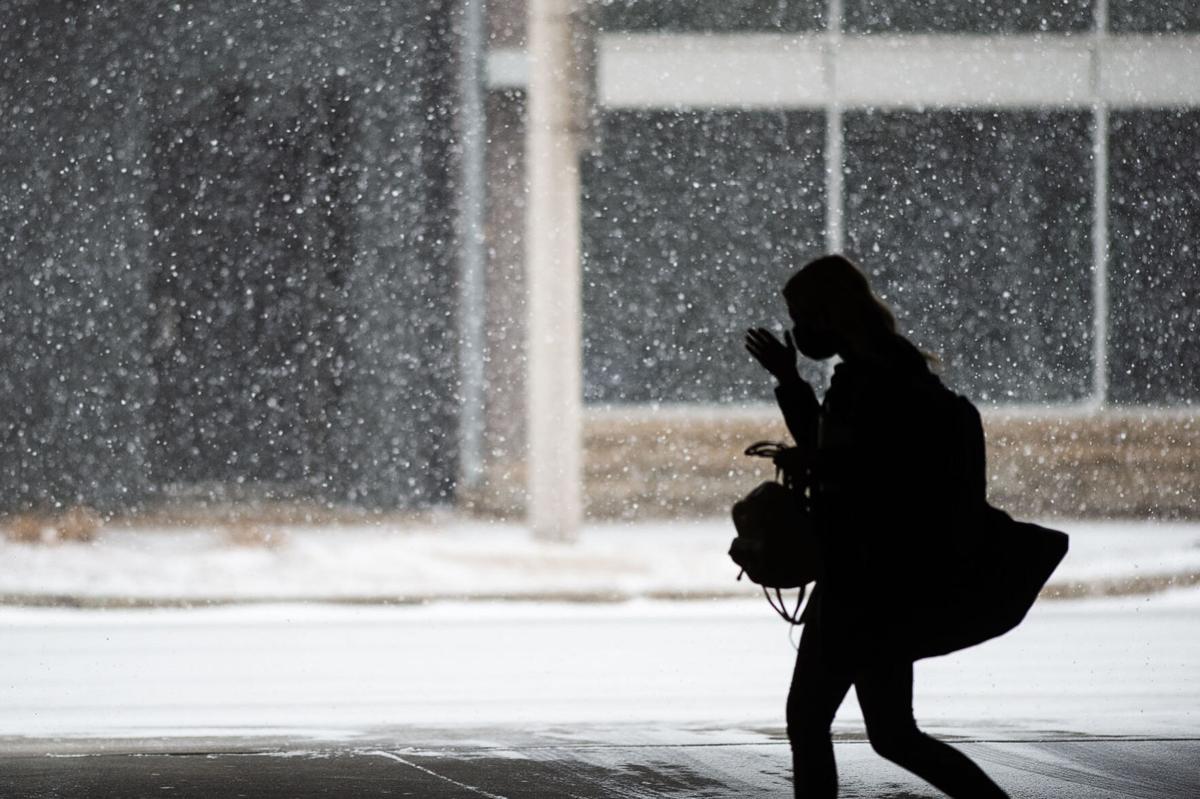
<point>293,667</point>
<point>1123,666</point>
<point>465,559</point>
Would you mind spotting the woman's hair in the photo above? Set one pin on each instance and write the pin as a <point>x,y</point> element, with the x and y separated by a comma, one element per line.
<point>837,290</point>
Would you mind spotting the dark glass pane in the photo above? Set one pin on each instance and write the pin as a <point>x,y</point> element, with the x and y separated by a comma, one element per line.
<point>245,347</point>
<point>975,227</point>
<point>973,16</point>
<point>1140,16</point>
<point>713,15</point>
<point>691,224</point>
<point>1154,268</point>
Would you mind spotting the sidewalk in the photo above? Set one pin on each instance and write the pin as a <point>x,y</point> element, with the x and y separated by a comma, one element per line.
<point>456,559</point>
<point>587,764</point>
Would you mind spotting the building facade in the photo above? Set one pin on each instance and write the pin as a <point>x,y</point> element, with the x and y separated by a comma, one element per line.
<point>1018,180</point>
<point>276,250</point>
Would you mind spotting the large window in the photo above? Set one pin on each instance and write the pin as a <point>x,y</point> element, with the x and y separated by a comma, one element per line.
<point>1024,202</point>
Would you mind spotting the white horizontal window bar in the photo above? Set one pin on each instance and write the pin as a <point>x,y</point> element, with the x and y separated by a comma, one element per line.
<point>660,70</point>
<point>904,71</point>
<point>1151,70</point>
<point>746,71</point>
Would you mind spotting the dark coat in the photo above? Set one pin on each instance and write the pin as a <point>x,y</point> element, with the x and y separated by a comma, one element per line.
<point>899,495</point>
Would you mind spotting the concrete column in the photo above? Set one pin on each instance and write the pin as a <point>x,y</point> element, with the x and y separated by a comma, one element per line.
<point>553,348</point>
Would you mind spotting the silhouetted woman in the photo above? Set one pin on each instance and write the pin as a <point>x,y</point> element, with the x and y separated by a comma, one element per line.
<point>884,503</point>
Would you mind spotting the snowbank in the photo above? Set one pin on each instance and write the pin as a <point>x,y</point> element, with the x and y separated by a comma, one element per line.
<point>469,559</point>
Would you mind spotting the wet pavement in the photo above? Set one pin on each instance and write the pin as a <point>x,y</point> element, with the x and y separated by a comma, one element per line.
<point>570,763</point>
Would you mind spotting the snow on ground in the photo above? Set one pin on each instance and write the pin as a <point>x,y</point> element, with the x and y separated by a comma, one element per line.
<point>1123,666</point>
<point>1099,666</point>
<point>461,559</point>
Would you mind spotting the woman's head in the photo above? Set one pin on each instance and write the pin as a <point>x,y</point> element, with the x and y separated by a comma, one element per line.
<point>834,311</point>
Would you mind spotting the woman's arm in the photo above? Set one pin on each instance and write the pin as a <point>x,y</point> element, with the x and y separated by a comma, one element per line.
<point>795,397</point>
<point>801,412</point>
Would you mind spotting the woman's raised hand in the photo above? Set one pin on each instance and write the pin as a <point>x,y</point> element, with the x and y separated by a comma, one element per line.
<point>777,357</point>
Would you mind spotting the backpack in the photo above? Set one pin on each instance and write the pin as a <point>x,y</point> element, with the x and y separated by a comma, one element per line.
<point>1003,563</point>
<point>776,544</point>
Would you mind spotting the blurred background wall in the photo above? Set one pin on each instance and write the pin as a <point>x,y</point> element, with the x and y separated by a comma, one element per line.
<point>228,258</point>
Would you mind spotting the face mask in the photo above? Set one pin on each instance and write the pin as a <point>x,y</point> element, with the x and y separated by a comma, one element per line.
<point>812,344</point>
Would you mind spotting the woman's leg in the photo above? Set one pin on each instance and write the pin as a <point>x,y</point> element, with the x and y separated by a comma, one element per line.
<point>818,688</point>
<point>885,696</point>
